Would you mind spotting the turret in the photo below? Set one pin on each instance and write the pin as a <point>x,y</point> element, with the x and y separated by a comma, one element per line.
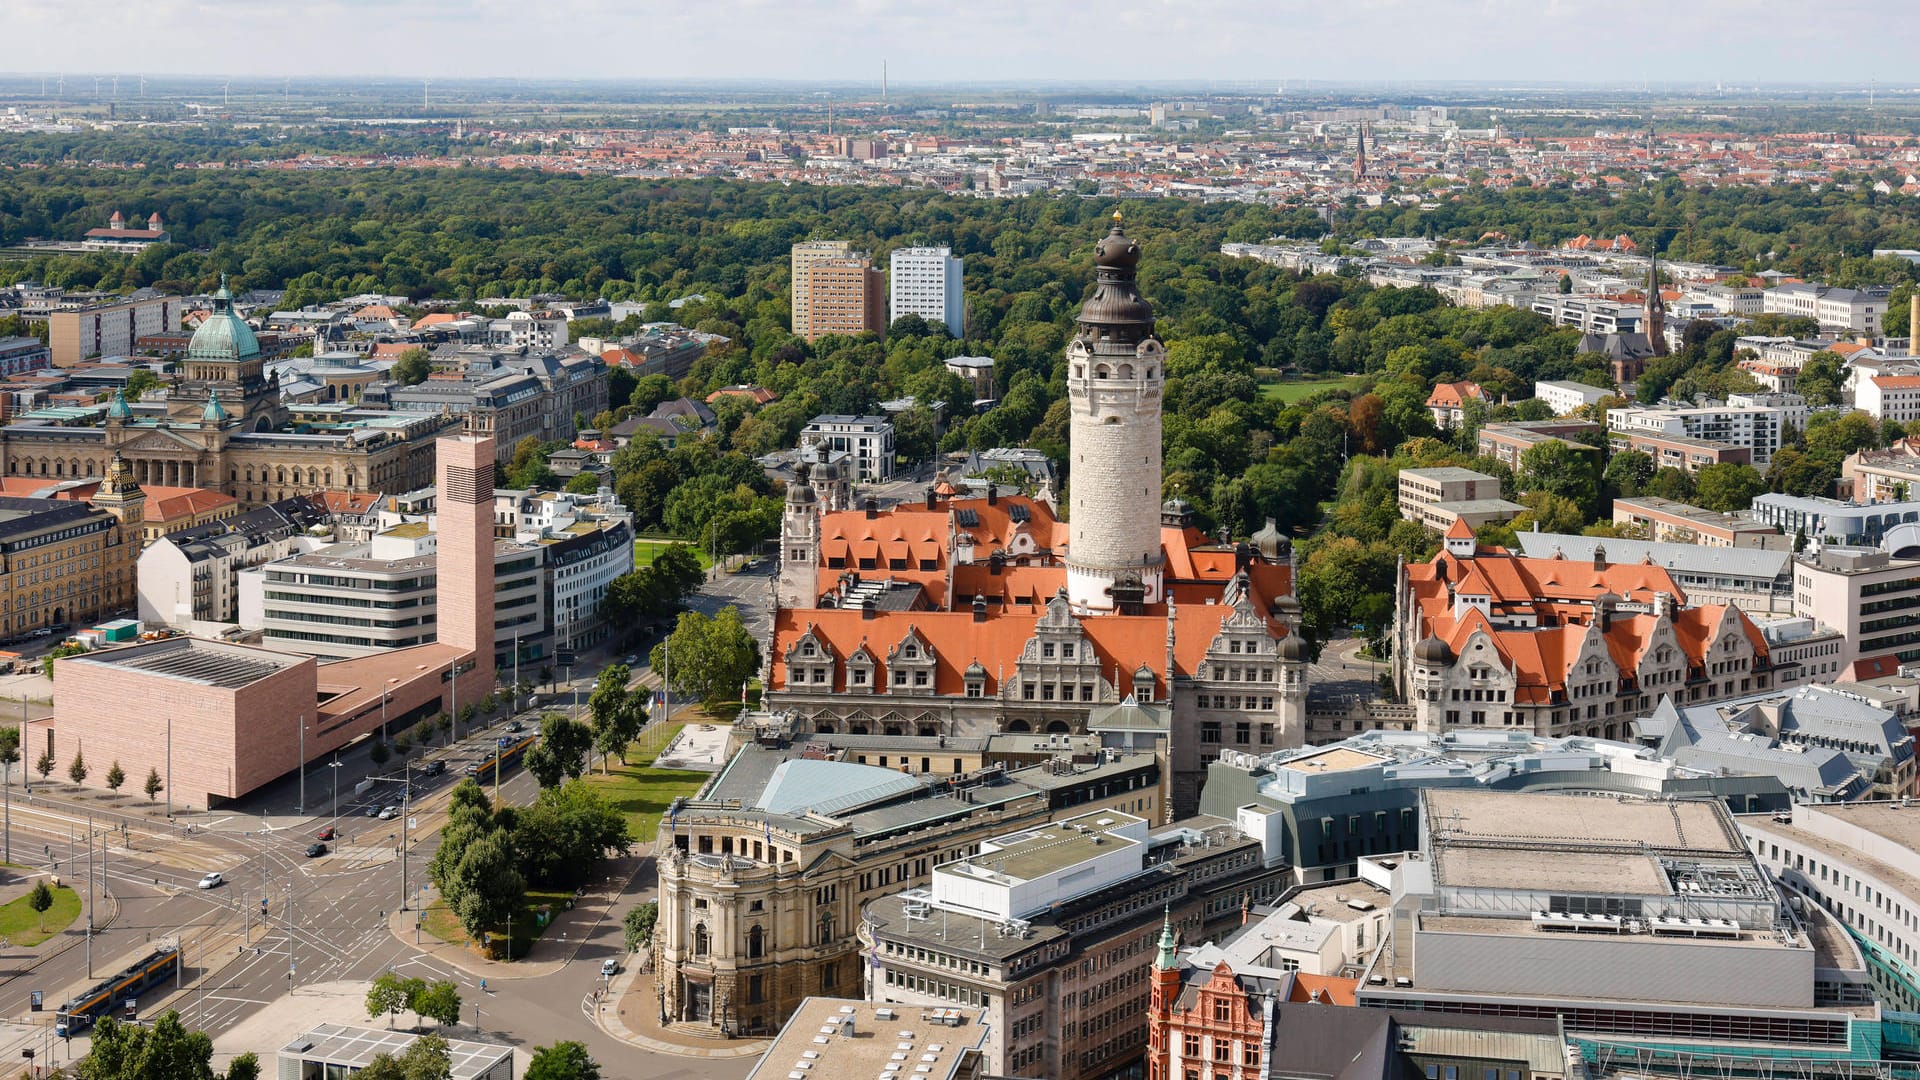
<point>1656,312</point>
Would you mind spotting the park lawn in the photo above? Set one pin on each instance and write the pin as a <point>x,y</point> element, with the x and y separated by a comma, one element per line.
<point>1291,390</point>
<point>639,790</point>
<point>24,927</point>
<point>440,921</point>
<point>645,550</point>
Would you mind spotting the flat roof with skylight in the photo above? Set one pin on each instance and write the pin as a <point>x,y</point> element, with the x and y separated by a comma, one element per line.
<point>836,1039</point>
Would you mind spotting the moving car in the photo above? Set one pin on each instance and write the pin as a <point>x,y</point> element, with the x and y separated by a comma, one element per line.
<point>212,881</point>
<point>610,967</point>
<point>388,813</point>
<point>516,726</point>
<point>436,767</point>
<point>314,851</point>
<point>324,834</point>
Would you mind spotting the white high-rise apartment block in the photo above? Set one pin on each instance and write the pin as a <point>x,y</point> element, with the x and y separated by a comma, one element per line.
<point>926,282</point>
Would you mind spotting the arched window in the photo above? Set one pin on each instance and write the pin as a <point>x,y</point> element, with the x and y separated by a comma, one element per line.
<point>700,941</point>
<point>756,943</point>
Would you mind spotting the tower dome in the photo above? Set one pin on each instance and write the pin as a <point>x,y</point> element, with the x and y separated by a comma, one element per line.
<point>224,336</point>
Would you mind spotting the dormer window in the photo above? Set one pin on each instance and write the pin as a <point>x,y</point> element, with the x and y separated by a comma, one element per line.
<point>910,652</point>
<point>807,649</point>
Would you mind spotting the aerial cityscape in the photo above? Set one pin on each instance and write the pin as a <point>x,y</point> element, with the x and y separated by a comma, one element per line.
<point>921,545</point>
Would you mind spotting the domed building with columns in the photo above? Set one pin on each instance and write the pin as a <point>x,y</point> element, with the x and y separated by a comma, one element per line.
<point>222,426</point>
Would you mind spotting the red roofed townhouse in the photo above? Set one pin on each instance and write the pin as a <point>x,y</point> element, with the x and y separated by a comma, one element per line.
<point>966,616</point>
<point>1448,402</point>
<point>1555,646</point>
<point>1889,397</point>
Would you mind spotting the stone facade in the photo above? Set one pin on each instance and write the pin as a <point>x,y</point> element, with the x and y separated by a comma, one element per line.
<point>225,429</point>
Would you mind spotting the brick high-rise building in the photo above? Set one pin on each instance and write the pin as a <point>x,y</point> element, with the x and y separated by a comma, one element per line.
<point>111,328</point>
<point>804,255</point>
<point>843,296</point>
<point>465,569</point>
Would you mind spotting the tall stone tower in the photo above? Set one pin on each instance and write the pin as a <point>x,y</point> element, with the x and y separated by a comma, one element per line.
<point>463,565</point>
<point>799,541</point>
<point>1116,370</point>
<point>120,496</point>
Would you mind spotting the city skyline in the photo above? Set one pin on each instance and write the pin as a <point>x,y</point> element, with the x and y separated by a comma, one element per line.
<point>1285,45</point>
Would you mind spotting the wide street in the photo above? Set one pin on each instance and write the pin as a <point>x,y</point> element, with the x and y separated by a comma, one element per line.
<point>325,919</point>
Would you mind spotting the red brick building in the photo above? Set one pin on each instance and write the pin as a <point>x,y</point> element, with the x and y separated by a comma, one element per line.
<point>1212,1025</point>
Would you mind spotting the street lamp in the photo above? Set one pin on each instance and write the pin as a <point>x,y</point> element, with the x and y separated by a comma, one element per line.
<point>301,808</point>
<point>334,768</point>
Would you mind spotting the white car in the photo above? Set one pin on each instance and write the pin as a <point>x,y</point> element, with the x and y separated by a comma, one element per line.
<point>212,881</point>
<point>609,967</point>
<point>388,813</point>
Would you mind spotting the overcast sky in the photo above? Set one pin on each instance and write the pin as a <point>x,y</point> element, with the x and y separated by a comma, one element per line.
<point>1625,41</point>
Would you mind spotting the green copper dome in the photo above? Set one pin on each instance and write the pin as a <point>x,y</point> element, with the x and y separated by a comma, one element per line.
<point>224,336</point>
<point>117,409</point>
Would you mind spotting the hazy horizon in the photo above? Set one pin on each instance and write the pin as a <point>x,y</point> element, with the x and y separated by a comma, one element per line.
<point>1549,43</point>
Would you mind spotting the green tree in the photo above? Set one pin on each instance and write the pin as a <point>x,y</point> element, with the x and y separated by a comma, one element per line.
<point>9,749</point>
<point>563,1061</point>
<point>115,777</point>
<point>565,833</point>
<point>618,713</point>
<point>637,928</point>
<point>412,367</point>
<point>561,752</point>
<point>583,483</point>
<point>153,786</point>
<point>709,658</point>
<point>485,885</point>
<point>77,772</point>
<point>1821,378</point>
<point>387,996</point>
<point>161,1050</point>
<point>378,752</point>
<point>138,383</point>
<point>1566,471</point>
<point>1628,472</point>
<point>244,1066</point>
<point>427,1058</point>
<point>44,766</point>
<point>1728,487</point>
<point>437,1001</point>
<point>40,899</point>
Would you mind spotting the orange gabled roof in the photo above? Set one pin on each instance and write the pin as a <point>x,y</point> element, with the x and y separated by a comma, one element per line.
<point>1897,382</point>
<point>164,503</point>
<point>1333,989</point>
<point>434,319</point>
<point>1459,530</point>
<point>1844,349</point>
<point>1453,394</point>
<point>345,502</point>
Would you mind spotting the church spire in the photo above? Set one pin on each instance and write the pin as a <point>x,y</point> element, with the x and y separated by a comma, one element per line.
<point>1656,308</point>
<point>1168,958</point>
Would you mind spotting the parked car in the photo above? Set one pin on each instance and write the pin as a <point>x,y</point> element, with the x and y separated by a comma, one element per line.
<point>212,881</point>
<point>609,967</point>
<point>314,851</point>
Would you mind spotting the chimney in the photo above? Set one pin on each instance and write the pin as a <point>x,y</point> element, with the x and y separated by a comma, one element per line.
<point>979,608</point>
<point>995,563</point>
<point>933,502</point>
<point>1242,557</point>
<point>993,493</point>
<point>872,508</point>
<point>1599,556</point>
<point>866,609</point>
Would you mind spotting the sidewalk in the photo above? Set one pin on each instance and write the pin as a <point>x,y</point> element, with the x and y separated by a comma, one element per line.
<point>637,1021</point>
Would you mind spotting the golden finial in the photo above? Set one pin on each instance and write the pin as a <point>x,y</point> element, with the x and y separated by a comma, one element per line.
<point>1116,217</point>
